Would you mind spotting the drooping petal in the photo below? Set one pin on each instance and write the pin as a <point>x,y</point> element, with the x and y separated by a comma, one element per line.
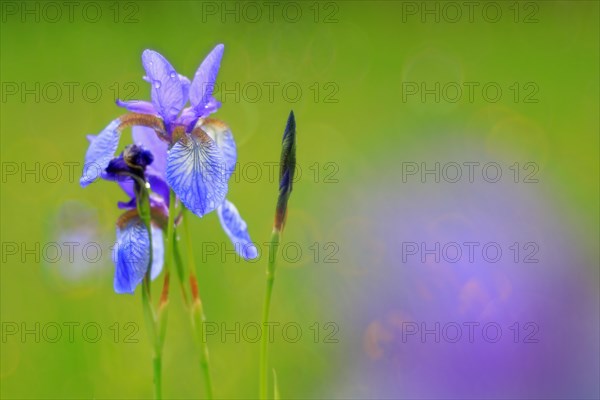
<point>149,140</point>
<point>167,89</point>
<point>101,150</point>
<point>203,84</point>
<point>196,172</point>
<point>131,253</point>
<point>138,106</point>
<point>237,230</point>
<point>221,134</point>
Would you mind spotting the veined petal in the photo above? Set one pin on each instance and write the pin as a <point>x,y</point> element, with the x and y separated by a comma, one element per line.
<point>101,150</point>
<point>203,84</point>
<point>237,230</point>
<point>196,172</point>
<point>149,140</point>
<point>167,89</point>
<point>132,251</point>
<point>221,134</point>
<point>138,106</point>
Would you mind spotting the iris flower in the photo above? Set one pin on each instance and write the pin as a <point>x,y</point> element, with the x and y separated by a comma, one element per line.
<point>191,154</point>
<point>132,169</point>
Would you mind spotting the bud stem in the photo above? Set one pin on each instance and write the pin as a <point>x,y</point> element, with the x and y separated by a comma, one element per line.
<point>273,246</point>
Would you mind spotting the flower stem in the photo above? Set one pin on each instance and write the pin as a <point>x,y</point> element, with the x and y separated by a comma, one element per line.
<point>197,313</point>
<point>274,244</point>
<point>143,207</point>
<point>150,318</point>
<point>157,362</point>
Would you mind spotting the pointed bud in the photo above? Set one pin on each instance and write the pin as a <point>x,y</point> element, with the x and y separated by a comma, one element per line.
<point>287,168</point>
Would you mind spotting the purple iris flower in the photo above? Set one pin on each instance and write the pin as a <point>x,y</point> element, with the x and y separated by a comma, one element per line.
<point>191,154</point>
<point>197,169</point>
<point>131,253</point>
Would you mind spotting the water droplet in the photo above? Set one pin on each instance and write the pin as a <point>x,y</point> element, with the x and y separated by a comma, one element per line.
<point>157,84</point>
<point>173,75</point>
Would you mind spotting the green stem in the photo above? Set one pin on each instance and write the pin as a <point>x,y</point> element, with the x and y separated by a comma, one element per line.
<point>143,207</point>
<point>157,362</point>
<point>197,313</point>
<point>160,320</point>
<point>274,244</point>
<point>150,318</point>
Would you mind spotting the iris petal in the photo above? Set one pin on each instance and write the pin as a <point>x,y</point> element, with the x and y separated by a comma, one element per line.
<point>127,205</point>
<point>101,150</point>
<point>185,86</point>
<point>138,106</point>
<point>196,173</point>
<point>158,252</point>
<point>160,187</point>
<point>159,197</point>
<point>167,89</point>
<point>221,134</point>
<point>237,230</point>
<point>188,117</point>
<point>203,84</point>
<point>132,252</point>
<point>127,185</point>
<point>212,106</point>
<point>149,140</point>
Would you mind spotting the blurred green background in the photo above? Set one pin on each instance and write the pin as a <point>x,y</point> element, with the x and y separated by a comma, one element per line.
<point>344,68</point>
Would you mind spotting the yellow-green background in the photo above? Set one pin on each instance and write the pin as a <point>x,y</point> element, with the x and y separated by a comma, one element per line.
<point>367,52</point>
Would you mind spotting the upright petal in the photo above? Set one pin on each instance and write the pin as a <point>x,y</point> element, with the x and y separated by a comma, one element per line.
<point>196,172</point>
<point>221,134</point>
<point>185,86</point>
<point>149,140</point>
<point>138,106</point>
<point>131,253</point>
<point>203,84</point>
<point>101,150</point>
<point>212,106</point>
<point>237,230</point>
<point>167,89</point>
<point>188,118</point>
